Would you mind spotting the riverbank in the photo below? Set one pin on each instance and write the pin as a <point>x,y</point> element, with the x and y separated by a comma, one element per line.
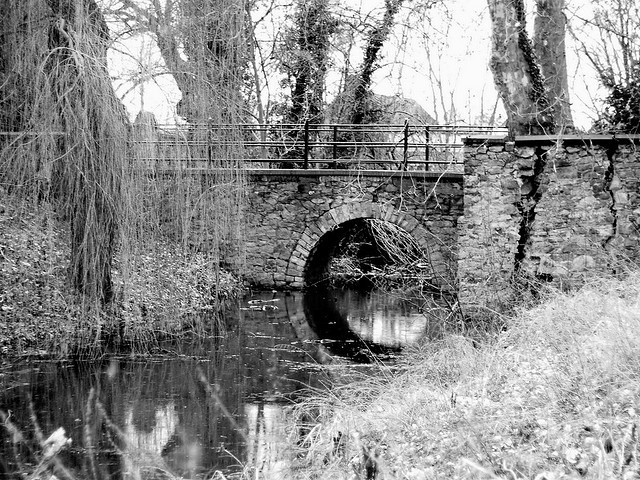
<point>163,291</point>
<point>554,396</point>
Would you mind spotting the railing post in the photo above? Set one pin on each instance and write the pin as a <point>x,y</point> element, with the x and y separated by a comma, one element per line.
<point>405,146</point>
<point>335,142</point>
<point>209,142</point>
<point>306,144</point>
<point>426,148</point>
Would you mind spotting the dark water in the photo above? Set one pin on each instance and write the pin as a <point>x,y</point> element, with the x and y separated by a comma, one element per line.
<point>221,403</point>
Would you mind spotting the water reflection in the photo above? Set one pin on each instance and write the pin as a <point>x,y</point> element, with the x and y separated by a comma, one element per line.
<point>219,403</point>
<point>387,319</point>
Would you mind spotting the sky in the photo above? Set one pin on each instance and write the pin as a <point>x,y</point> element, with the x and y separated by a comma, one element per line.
<point>438,57</point>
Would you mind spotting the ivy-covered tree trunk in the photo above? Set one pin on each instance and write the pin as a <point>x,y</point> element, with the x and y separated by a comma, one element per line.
<point>549,41</point>
<point>305,60</point>
<point>375,41</point>
<point>307,63</point>
<point>517,74</point>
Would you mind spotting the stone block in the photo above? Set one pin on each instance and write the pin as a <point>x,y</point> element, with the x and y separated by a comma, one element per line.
<point>299,262</point>
<point>583,263</point>
<point>565,172</point>
<point>525,152</point>
<point>388,213</point>
<point>307,239</point>
<point>509,184</point>
<point>409,224</point>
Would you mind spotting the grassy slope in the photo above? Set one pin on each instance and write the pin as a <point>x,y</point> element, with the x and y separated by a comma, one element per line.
<point>556,396</point>
<point>38,314</point>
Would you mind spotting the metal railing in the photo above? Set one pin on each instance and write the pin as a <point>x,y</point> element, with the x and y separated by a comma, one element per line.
<point>340,146</point>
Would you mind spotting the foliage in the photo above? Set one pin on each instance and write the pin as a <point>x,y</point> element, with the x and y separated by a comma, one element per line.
<point>554,396</point>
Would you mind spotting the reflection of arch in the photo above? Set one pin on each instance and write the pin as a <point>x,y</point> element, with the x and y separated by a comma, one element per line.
<point>326,320</point>
<point>335,217</point>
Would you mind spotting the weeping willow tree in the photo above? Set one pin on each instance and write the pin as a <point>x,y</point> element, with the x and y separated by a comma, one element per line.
<point>67,141</point>
<point>65,130</point>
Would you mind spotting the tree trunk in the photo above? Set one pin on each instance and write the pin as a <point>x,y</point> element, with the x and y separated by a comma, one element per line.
<point>212,34</point>
<point>204,46</point>
<point>549,42</point>
<point>516,72</point>
<point>91,147</point>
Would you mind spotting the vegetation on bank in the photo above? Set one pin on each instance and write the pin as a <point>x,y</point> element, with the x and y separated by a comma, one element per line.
<point>161,292</point>
<point>556,395</point>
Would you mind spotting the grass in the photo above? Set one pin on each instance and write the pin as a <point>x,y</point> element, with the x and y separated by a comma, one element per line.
<point>554,396</point>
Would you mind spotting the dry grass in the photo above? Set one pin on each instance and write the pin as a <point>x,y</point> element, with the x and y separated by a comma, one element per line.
<point>554,396</point>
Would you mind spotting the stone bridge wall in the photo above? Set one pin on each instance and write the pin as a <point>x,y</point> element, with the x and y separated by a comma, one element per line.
<point>288,211</point>
<point>559,211</point>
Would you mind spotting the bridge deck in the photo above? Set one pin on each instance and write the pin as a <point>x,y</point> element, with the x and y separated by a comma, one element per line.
<point>443,176</point>
<point>325,172</point>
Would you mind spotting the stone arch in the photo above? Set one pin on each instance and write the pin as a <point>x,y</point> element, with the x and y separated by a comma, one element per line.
<point>337,216</point>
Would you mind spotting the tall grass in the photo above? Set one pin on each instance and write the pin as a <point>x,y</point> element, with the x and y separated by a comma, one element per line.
<point>556,395</point>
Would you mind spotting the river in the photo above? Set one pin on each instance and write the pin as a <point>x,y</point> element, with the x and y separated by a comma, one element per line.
<point>221,403</point>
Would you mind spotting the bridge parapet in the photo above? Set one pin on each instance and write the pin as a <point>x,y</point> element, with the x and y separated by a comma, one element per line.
<point>338,146</point>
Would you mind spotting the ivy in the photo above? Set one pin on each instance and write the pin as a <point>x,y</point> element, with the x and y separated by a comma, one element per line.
<point>622,111</point>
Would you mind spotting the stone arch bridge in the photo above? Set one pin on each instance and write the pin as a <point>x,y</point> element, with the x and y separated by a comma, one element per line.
<point>542,208</point>
<point>295,217</point>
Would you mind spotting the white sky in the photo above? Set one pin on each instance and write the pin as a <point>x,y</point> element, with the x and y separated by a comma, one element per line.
<point>452,82</point>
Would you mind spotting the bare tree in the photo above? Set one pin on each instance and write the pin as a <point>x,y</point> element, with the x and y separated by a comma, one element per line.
<point>609,36</point>
<point>204,46</point>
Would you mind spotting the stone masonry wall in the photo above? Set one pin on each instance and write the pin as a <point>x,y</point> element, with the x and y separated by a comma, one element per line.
<point>557,211</point>
<point>288,211</point>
